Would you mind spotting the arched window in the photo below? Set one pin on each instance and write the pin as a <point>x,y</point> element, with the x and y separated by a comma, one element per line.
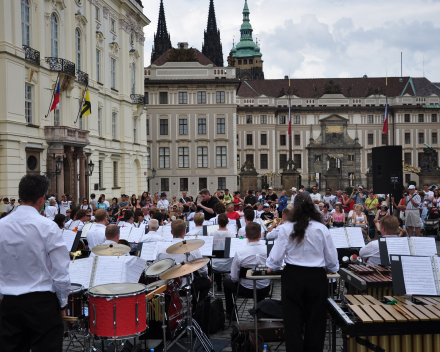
<point>133,78</point>
<point>53,35</point>
<point>25,23</point>
<point>78,49</point>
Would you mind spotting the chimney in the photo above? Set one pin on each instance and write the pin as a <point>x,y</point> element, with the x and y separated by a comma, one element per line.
<point>286,77</point>
<point>182,45</point>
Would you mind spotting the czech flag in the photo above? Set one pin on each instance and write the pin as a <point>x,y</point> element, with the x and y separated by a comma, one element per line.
<point>385,122</point>
<point>56,98</point>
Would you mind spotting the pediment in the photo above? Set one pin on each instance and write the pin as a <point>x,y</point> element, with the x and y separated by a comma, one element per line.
<point>334,117</point>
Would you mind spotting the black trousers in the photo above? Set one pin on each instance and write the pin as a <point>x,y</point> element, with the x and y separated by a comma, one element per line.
<point>230,288</point>
<point>201,287</point>
<point>304,303</point>
<point>31,321</point>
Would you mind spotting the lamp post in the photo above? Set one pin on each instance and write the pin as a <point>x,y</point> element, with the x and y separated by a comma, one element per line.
<point>58,168</point>
<point>89,172</point>
<point>153,173</point>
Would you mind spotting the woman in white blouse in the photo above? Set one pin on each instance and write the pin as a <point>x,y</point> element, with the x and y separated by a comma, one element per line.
<point>305,244</point>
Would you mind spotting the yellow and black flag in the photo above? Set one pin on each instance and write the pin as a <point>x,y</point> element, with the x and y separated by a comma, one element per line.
<point>87,107</point>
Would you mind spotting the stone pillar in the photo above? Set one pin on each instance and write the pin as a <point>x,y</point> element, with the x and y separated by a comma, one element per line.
<point>54,151</point>
<point>429,177</point>
<point>74,179</point>
<point>82,177</point>
<point>332,180</point>
<point>248,178</point>
<point>290,176</point>
<point>369,175</point>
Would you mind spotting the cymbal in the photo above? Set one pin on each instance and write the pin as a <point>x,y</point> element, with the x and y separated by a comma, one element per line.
<point>184,269</point>
<point>185,246</point>
<point>111,249</point>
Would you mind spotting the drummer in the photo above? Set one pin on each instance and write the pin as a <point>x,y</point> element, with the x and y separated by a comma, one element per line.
<point>96,234</point>
<point>201,281</point>
<point>112,237</point>
<point>152,235</point>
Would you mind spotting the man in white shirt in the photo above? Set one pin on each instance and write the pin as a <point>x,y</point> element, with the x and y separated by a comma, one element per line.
<point>259,210</point>
<point>292,197</point>
<point>146,212</point>
<point>199,219</point>
<point>249,217</point>
<point>64,204</point>
<point>389,226</point>
<point>316,197</point>
<point>127,220</point>
<point>34,274</point>
<point>427,191</point>
<point>112,237</point>
<point>250,256</point>
<point>9,208</point>
<point>152,235</point>
<point>163,202</point>
<point>51,210</point>
<point>201,283</point>
<point>329,199</point>
<point>81,216</point>
<point>96,234</point>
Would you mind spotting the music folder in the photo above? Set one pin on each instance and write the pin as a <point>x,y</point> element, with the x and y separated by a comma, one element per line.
<point>71,238</point>
<point>415,246</point>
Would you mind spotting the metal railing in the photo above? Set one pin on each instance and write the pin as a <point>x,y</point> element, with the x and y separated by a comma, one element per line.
<point>31,55</point>
<point>138,99</point>
<point>82,77</point>
<point>61,65</point>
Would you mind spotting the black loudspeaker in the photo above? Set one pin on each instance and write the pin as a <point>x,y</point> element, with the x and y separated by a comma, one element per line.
<point>388,170</point>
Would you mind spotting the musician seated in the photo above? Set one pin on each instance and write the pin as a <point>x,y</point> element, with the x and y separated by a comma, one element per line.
<point>260,210</point>
<point>163,211</point>
<point>267,215</point>
<point>68,218</point>
<point>111,237</point>
<point>389,226</point>
<point>96,234</point>
<point>81,218</point>
<point>152,235</point>
<point>200,283</point>
<point>199,218</point>
<point>275,229</point>
<point>127,220</point>
<point>250,256</point>
<point>146,212</point>
<point>249,217</point>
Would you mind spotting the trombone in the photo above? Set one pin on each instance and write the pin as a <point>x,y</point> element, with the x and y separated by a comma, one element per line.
<point>275,222</point>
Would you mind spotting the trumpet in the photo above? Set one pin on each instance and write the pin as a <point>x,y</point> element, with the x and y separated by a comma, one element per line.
<point>275,222</point>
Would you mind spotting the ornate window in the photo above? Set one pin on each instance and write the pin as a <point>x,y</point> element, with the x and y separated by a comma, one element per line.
<point>78,48</point>
<point>221,156</point>
<point>25,22</point>
<point>28,103</point>
<point>113,73</point>
<point>53,35</point>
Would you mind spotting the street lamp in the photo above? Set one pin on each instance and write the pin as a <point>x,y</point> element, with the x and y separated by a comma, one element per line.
<point>58,167</point>
<point>153,173</point>
<point>89,172</point>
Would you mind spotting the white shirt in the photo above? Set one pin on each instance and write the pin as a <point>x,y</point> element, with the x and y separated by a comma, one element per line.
<point>64,206</point>
<point>191,216</point>
<point>331,200</point>
<point>316,250</point>
<point>34,257</point>
<point>96,235</point>
<point>165,203</point>
<point>371,252</point>
<point>258,213</point>
<point>292,198</point>
<point>50,212</point>
<point>151,236</point>
<point>107,203</point>
<point>273,235</point>
<point>219,239</point>
<point>242,231</point>
<point>87,207</point>
<point>248,257</point>
<point>429,193</point>
<point>314,197</point>
<point>106,242</point>
<point>178,258</point>
<point>125,224</point>
<point>68,223</point>
<point>197,231</point>
<point>80,225</point>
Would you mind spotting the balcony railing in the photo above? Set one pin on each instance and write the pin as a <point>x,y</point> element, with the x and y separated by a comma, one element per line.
<point>31,55</point>
<point>82,77</point>
<point>61,65</point>
<point>138,99</point>
<point>66,136</point>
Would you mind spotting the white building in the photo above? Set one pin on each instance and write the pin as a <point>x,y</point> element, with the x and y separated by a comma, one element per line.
<point>94,43</point>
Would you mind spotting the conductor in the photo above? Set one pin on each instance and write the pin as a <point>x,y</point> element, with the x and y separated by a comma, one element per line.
<point>307,248</point>
<point>34,274</point>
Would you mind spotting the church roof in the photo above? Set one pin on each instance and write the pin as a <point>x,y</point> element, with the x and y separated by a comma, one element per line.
<point>348,87</point>
<point>164,58</point>
<point>246,48</point>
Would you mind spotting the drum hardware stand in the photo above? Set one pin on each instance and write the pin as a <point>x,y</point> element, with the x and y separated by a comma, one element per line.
<point>164,327</point>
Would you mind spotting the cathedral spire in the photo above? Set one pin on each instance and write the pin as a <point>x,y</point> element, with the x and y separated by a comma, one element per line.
<point>162,41</point>
<point>212,47</point>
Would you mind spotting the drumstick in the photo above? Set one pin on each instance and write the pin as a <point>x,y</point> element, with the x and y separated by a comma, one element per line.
<point>380,273</point>
<point>118,254</point>
<point>139,253</point>
<point>403,311</point>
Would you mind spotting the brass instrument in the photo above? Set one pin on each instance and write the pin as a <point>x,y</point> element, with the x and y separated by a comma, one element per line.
<point>124,242</point>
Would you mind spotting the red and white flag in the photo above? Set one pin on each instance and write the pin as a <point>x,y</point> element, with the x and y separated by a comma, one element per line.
<point>385,122</point>
<point>56,98</point>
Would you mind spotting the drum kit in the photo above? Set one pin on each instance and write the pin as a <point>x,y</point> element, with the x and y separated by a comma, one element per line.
<point>120,311</point>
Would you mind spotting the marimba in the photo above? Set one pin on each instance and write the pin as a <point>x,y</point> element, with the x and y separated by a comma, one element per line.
<point>371,325</point>
<point>373,280</point>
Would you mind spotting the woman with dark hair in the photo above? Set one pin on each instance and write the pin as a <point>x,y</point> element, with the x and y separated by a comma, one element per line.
<point>133,200</point>
<point>144,198</point>
<point>113,210</point>
<point>138,217</point>
<point>305,244</point>
<point>60,220</point>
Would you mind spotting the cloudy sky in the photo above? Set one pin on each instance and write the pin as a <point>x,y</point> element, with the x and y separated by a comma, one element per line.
<point>326,38</point>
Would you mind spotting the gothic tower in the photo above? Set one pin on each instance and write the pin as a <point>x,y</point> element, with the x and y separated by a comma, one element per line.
<point>246,55</point>
<point>162,41</point>
<point>212,48</point>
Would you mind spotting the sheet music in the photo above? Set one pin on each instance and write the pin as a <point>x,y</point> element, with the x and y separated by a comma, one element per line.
<point>124,233</point>
<point>211,229</point>
<point>133,269</point>
<point>69,237</point>
<point>236,244</point>
<point>109,270</point>
<point>232,227</point>
<point>206,249</point>
<point>424,246</point>
<point>80,271</point>
<point>86,229</point>
<point>74,224</point>
<point>148,251</point>
<point>339,237</point>
<point>161,246</point>
<point>398,245</point>
<point>418,276</point>
<point>143,227</point>
<point>355,236</point>
<point>136,235</point>
<point>191,225</point>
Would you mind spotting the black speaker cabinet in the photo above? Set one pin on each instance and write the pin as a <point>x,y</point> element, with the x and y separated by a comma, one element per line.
<point>388,170</point>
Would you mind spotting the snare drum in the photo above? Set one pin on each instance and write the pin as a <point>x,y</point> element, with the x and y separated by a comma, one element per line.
<point>75,308</point>
<point>152,273</point>
<point>117,310</point>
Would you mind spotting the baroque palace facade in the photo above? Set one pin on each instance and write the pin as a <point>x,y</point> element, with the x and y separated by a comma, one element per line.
<point>93,44</point>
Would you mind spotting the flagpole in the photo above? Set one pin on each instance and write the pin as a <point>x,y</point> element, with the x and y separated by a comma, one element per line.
<point>82,102</point>
<point>290,121</point>
<point>53,94</point>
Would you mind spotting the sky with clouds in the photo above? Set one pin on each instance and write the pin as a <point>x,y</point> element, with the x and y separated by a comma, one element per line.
<point>312,39</point>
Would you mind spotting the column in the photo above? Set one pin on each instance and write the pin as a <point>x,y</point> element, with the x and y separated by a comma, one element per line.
<point>82,177</point>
